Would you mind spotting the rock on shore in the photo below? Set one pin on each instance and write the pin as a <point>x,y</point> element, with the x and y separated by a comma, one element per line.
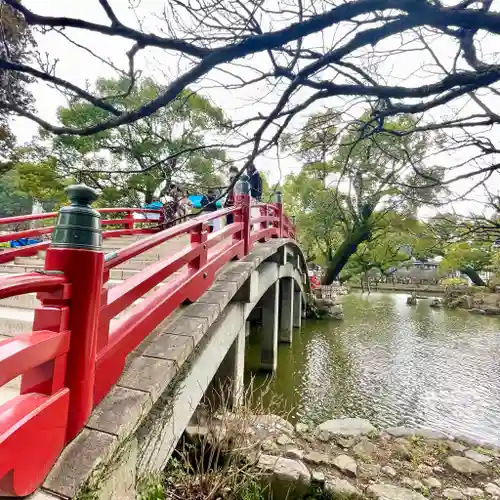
<point>351,458</point>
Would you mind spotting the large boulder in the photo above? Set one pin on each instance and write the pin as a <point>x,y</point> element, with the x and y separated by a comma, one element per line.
<point>465,465</point>
<point>411,300</point>
<point>436,303</point>
<point>423,433</point>
<point>344,427</point>
<point>342,488</point>
<point>324,308</point>
<point>390,492</point>
<point>289,479</point>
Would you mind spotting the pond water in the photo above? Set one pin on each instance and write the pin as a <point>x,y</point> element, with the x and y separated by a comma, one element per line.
<point>394,365</point>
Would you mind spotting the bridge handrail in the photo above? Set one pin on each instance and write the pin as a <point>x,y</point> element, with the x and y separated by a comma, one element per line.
<point>15,235</point>
<point>18,219</point>
<point>24,352</point>
<point>19,284</point>
<point>40,396</point>
<point>113,259</point>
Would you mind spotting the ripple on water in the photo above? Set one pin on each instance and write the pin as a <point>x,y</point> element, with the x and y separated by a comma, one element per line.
<point>397,365</point>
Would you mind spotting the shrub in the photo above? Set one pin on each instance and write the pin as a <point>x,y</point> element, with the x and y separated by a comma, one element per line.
<point>454,281</point>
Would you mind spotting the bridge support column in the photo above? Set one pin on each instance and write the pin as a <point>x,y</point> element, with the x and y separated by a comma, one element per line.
<point>270,317</point>
<point>297,309</point>
<point>286,310</point>
<point>227,386</point>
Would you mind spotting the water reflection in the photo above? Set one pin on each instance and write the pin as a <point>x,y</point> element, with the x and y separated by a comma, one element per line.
<point>396,365</point>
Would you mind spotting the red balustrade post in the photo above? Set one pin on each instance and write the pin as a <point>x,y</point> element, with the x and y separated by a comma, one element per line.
<point>129,220</point>
<point>76,250</point>
<point>243,200</point>
<point>104,322</point>
<point>279,205</point>
<point>53,315</point>
<point>199,236</point>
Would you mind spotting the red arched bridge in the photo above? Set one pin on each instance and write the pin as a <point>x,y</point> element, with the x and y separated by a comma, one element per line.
<point>96,323</point>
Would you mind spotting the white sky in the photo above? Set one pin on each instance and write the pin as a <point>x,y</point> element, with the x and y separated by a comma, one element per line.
<point>410,69</point>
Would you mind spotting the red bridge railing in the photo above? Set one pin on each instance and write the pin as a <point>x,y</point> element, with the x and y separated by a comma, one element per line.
<point>75,354</point>
<point>128,226</point>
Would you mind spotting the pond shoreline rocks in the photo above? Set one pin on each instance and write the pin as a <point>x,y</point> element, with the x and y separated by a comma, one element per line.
<point>351,458</point>
<point>319,308</point>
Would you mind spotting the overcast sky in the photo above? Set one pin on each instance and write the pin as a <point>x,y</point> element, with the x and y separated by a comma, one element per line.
<point>81,68</point>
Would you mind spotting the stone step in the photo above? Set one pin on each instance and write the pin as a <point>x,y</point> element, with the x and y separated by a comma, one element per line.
<point>29,300</point>
<point>14,320</point>
<point>133,264</point>
<point>16,269</point>
<point>8,393</point>
<point>117,274</point>
<point>26,301</point>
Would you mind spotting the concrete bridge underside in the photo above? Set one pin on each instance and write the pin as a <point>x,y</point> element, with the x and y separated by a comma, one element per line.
<point>137,426</point>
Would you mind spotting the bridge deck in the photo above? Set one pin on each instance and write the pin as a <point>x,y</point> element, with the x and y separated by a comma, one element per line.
<point>178,359</point>
<point>84,348</point>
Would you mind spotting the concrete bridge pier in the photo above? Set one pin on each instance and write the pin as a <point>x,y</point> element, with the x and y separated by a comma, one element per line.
<point>228,385</point>
<point>270,318</point>
<point>297,308</point>
<point>286,310</point>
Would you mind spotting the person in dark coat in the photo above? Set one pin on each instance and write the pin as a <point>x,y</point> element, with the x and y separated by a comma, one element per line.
<point>255,182</point>
<point>170,199</point>
<point>233,172</point>
<point>209,204</point>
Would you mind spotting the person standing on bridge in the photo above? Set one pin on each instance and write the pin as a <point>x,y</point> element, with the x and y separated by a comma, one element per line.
<point>170,206</point>
<point>185,205</point>
<point>255,181</point>
<point>209,204</point>
<point>233,172</point>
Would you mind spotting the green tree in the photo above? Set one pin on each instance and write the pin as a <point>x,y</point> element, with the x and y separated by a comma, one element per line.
<point>16,43</point>
<point>393,243</point>
<point>13,201</point>
<point>469,258</point>
<point>130,164</point>
<point>317,219</point>
<point>360,177</point>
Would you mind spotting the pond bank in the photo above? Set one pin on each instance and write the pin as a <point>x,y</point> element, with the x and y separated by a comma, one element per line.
<point>477,300</point>
<point>351,458</point>
<point>400,287</point>
<point>393,365</point>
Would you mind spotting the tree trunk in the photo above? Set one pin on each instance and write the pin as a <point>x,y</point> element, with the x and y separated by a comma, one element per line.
<point>343,253</point>
<point>475,278</point>
<point>148,197</point>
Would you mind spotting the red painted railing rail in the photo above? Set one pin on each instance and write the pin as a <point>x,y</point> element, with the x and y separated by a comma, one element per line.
<point>128,224</point>
<point>76,352</point>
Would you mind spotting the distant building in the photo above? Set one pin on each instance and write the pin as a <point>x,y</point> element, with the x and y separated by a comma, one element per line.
<point>432,263</point>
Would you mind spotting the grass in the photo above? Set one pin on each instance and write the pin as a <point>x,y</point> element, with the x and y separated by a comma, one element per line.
<point>151,487</point>
<point>484,451</point>
<point>221,463</point>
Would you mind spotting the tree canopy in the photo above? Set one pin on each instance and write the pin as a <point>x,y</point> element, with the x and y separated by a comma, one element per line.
<point>407,57</point>
<point>16,43</point>
<point>130,164</point>
<point>348,188</point>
